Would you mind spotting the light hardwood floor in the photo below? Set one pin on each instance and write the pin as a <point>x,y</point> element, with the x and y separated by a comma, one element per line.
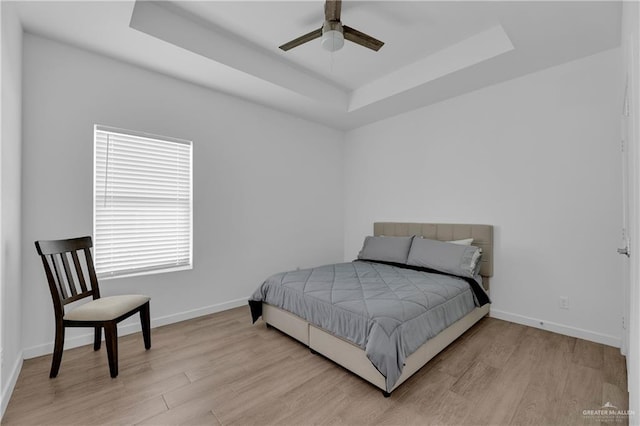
<point>220,369</point>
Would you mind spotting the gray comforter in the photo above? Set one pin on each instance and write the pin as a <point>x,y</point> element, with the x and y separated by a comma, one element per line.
<point>386,310</point>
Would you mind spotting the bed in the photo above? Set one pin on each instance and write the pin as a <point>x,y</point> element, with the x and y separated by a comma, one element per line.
<point>344,336</point>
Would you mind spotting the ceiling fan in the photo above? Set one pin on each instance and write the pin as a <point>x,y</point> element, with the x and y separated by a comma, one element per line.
<point>333,32</point>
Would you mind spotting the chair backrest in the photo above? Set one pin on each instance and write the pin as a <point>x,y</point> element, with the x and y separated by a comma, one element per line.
<point>66,283</point>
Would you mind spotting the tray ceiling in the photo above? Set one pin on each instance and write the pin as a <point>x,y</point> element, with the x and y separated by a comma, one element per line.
<point>433,50</point>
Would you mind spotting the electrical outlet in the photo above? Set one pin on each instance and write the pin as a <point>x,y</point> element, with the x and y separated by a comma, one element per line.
<point>564,302</point>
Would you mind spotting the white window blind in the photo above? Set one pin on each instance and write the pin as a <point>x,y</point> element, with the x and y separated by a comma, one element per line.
<point>142,203</point>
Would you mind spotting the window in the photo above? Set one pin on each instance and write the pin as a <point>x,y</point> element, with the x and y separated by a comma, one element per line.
<point>142,203</point>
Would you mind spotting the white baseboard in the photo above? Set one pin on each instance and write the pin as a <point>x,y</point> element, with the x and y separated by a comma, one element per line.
<point>5,394</point>
<point>85,339</point>
<point>567,330</point>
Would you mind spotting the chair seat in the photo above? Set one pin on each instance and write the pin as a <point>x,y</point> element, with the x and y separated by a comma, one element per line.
<point>106,308</point>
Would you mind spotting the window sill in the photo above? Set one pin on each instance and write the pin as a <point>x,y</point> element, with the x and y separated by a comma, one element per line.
<point>142,273</point>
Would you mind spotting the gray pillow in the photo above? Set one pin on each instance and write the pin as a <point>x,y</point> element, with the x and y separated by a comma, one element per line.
<point>445,257</point>
<point>386,249</point>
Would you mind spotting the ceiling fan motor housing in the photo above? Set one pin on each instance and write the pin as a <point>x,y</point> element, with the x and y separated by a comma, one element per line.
<point>332,36</point>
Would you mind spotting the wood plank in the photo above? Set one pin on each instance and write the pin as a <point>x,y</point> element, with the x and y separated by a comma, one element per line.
<point>613,395</point>
<point>460,357</point>
<point>186,413</point>
<point>133,413</point>
<point>453,410</point>
<point>615,368</point>
<point>583,391</point>
<point>498,351</point>
<point>422,403</point>
<point>497,402</point>
<point>58,275</point>
<point>589,354</point>
<point>79,273</point>
<point>541,400</point>
<point>473,382</point>
<point>69,275</point>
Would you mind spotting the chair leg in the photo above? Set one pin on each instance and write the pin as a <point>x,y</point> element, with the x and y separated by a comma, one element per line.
<point>146,325</point>
<point>97,338</point>
<point>57,350</point>
<point>111,341</point>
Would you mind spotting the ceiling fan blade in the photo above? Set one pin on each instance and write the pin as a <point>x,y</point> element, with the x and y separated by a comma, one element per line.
<point>332,10</point>
<point>361,38</point>
<point>302,39</point>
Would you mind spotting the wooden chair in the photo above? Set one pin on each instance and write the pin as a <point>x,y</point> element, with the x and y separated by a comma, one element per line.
<point>69,284</point>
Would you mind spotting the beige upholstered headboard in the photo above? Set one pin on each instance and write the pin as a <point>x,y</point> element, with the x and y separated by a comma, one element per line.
<point>482,237</point>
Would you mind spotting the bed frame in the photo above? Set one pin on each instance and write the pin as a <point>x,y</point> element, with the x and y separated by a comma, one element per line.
<point>351,356</point>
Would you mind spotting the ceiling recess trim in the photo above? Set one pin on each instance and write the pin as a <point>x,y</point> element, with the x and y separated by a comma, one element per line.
<point>470,51</point>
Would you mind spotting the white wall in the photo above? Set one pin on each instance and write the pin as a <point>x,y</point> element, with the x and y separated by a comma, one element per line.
<point>10,165</point>
<point>537,157</point>
<point>267,186</point>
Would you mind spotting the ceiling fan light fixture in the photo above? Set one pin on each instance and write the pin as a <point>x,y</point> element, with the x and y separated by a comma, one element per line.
<point>332,40</point>
<point>332,36</point>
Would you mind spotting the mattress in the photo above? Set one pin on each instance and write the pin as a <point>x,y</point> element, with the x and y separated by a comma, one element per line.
<point>389,311</point>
